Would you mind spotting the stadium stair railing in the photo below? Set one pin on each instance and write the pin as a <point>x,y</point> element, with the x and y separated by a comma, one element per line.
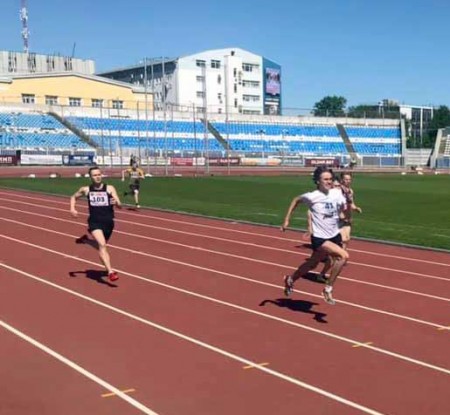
<point>81,134</point>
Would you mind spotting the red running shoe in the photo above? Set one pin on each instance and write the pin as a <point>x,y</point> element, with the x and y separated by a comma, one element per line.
<point>113,276</point>
<point>82,239</point>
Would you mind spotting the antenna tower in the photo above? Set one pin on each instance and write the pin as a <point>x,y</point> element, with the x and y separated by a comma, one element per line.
<point>24,19</point>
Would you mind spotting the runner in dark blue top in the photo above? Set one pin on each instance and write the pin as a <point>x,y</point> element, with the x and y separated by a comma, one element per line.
<point>102,198</point>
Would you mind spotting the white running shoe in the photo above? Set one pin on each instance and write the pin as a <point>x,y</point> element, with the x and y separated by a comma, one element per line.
<point>328,297</point>
<point>288,285</point>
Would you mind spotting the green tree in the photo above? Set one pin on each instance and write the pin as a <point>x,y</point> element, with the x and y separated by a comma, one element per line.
<point>374,111</point>
<point>330,106</point>
<point>441,119</point>
<point>364,111</point>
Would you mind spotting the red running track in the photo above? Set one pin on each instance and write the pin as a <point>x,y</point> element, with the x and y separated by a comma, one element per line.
<point>199,300</point>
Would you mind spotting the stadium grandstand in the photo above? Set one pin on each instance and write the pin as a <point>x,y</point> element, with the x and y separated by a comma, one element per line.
<point>55,113</point>
<point>116,133</point>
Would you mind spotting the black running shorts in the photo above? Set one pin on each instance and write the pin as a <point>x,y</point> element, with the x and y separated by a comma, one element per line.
<point>316,243</point>
<point>134,187</point>
<point>106,227</point>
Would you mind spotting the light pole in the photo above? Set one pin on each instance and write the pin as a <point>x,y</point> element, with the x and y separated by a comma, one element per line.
<point>146,111</point>
<point>195,140</point>
<point>283,132</point>
<point>225,71</point>
<point>101,132</point>
<point>110,140</point>
<point>166,167</point>
<point>261,135</point>
<point>120,133</point>
<point>205,120</point>
<point>138,132</point>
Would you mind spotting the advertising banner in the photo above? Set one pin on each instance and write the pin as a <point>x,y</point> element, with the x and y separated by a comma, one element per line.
<point>41,159</point>
<point>321,161</point>
<point>182,161</point>
<point>260,162</point>
<point>78,159</point>
<point>223,161</point>
<point>8,160</point>
<point>273,83</point>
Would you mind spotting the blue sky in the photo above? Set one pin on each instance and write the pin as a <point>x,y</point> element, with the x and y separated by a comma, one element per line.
<point>361,49</point>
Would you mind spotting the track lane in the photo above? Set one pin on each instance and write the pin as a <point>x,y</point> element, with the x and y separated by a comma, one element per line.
<point>146,264</point>
<point>425,285</point>
<point>375,296</point>
<point>32,382</point>
<point>348,326</point>
<point>333,373</point>
<point>177,376</point>
<point>436,350</point>
<point>242,230</point>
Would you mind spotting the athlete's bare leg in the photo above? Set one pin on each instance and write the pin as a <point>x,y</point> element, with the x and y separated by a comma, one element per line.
<point>102,250</point>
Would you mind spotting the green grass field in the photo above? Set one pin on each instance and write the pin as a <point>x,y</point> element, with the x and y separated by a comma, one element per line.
<point>408,209</point>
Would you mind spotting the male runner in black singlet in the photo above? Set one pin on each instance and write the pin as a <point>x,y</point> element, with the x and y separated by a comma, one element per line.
<point>102,198</point>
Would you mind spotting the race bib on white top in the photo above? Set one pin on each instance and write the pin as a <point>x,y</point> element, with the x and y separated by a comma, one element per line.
<point>98,199</point>
<point>325,210</point>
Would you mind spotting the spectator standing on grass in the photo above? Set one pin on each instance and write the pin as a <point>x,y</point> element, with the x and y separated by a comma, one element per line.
<point>101,198</point>
<point>325,204</point>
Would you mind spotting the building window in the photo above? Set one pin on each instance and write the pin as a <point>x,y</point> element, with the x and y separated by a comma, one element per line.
<point>250,84</point>
<point>251,98</point>
<point>118,105</point>
<point>97,103</point>
<point>32,62</point>
<point>235,88</point>
<point>200,109</point>
<point>215,64</point>
<point>219,79</point>
<point>50,63</point>
<point>74,102</point>
<point>234,72</point>
<point>220,110</point>
<point>249,67</point>
<point>200,63</point>
<point>251,112</point>
<point>200,78</point>
<point>28,98</point>
<point>12,62</point>
<point>200,94</point>
<point>68,63</point>
<point>51,100</point>
<point>219,96</point>
<point>235,103</point>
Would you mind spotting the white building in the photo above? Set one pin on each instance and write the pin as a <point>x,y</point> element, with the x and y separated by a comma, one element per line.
<point>226,81</point>
<point>21,63</point>
<point>419,117</point>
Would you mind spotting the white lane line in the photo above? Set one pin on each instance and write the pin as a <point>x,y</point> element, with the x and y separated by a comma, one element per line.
<point>173,261</point>
<point>247,310</point>
<point>75,366</point>
<point>409,273</point>
<point>201,344</point>
<point>387,287</point>
<point>143,214</point>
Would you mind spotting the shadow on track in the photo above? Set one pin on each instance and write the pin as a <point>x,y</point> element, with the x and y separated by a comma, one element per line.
<point>297,305</point>
<point>95,275</point>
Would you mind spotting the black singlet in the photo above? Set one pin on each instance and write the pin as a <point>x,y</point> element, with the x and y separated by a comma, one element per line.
<point>100,207</point>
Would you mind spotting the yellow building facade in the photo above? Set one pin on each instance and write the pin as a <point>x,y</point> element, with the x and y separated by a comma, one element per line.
<point>73,90</point>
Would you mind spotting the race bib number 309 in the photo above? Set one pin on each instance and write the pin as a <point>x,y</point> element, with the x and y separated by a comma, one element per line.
<point>98,199</point>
